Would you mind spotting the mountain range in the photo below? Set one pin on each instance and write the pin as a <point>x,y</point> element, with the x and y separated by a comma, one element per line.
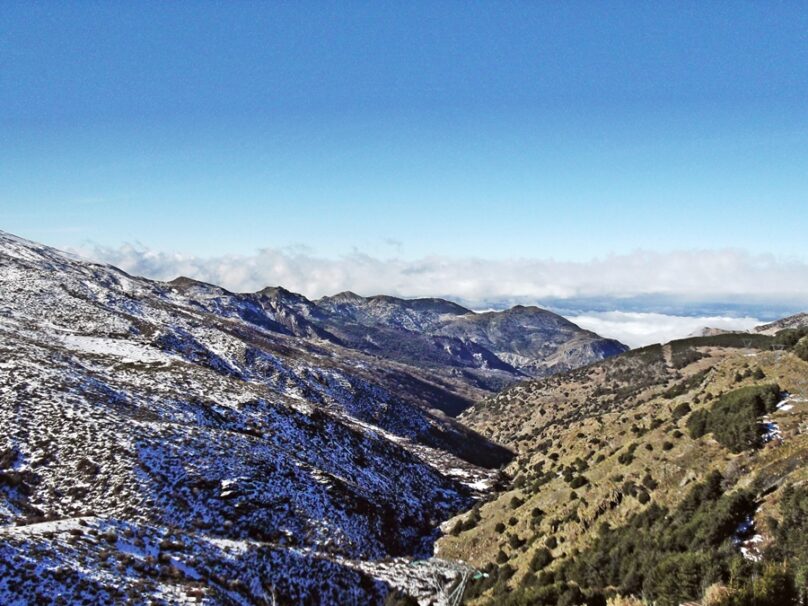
<point>174,442</point>
<point>162,442</point>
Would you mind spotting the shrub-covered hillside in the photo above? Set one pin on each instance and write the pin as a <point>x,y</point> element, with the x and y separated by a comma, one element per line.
<point>668,474</point>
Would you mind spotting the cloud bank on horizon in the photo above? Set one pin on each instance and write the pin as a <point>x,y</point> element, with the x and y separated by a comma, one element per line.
<point>705,275</point>
<point>708,275</point>
<point>636,329</point>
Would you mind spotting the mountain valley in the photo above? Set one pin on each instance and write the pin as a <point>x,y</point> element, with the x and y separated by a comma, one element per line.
<point>175,441</point>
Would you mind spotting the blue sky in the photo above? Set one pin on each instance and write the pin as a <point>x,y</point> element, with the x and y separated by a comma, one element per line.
<point>496,130</point>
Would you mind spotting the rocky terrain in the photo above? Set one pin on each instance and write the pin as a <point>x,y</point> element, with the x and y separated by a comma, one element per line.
<point>173,442</point>
<point>485,350</point>
<point>165,443</point>
<point>456,354</point>
<point>795,321</point>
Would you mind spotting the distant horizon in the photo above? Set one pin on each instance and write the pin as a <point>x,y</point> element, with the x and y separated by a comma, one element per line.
<point>637,320</point>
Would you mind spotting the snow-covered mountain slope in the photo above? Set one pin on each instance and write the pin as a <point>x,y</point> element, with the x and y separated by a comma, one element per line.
<point>176,442</point>
<point>489,350</point>
<point>456,356</point>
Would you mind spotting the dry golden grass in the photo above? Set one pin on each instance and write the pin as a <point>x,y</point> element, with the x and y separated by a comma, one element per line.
<point>588,418</point>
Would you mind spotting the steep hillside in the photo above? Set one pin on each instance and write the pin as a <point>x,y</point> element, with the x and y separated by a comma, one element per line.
<point>795,321</point>
<point>463,355</point>
<point>655,473</point>
<point>168,442</point>
<point>489,350</point>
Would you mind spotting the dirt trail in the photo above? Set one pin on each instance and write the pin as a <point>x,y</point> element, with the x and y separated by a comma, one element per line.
<point>667,353</point>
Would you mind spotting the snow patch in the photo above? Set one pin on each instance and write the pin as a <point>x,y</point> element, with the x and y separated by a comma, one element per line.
<point>126,350</point>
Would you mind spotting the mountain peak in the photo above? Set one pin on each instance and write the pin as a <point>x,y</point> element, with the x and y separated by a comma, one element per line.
<point>185,284</point>
<point>346,296</point>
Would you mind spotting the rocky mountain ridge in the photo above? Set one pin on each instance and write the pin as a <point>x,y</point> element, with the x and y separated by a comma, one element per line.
<point>796,321</point>
<point>490,349</point>
<point>174,442</point>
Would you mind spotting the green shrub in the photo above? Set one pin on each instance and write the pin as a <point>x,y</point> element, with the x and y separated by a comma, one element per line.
<point>578,481</point>
<point>515,542</point>
<point>697,423</point>
<point>801,349</point>
<point>683,356</point>
<point>681,410</point>
<point>626,458</point>
<point>541,558</point>
<point>733,418</point>
<point>685,386</point>
<point>756,341</point>
<point>671,556</point>
<point>649,482</point>
<point>790,337</point>
<point>658,547</point>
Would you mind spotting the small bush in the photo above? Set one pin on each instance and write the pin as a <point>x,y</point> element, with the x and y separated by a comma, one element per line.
<point>578,481</point>
<point>681,410</point>
<point>541,558</point>
<point>515,542</point>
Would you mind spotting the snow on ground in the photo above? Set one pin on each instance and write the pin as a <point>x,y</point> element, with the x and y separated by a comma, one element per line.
<point>166,451</point>
<point>127,351</point>
<point>789,401</point>
<point>747,540</point>
<point>771,431</point>
<point>749,548</point>
<point>479,485</point>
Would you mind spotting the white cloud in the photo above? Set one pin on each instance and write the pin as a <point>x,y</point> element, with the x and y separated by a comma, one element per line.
<point>637,329</point>
<point>699,275</point>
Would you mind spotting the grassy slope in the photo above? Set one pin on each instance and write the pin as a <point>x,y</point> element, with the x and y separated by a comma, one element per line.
<point>587,418</point>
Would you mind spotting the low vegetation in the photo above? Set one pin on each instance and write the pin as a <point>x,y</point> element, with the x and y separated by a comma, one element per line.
<point>733,418</point>
<point>652,481</point>
<point>671,557</point>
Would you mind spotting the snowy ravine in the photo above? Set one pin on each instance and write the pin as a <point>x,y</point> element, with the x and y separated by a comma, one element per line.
<point>164,445</point>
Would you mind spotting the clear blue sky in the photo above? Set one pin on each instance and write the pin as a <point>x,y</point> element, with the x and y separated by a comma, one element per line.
<point>494,129</point>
